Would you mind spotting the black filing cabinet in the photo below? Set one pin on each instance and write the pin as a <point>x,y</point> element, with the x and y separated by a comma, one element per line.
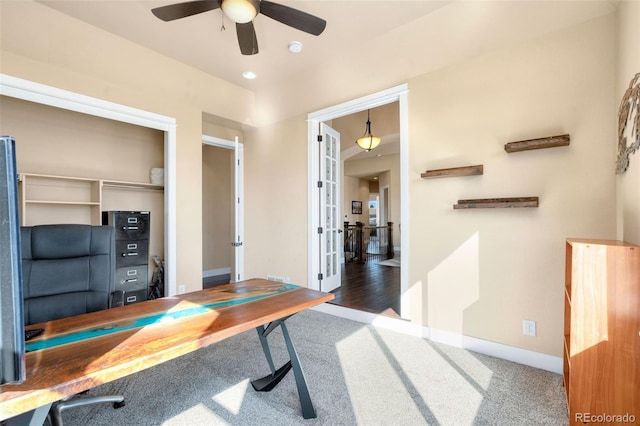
<point>132,252</point>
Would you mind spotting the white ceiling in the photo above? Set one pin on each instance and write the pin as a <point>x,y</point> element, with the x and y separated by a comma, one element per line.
<point>199,41</point>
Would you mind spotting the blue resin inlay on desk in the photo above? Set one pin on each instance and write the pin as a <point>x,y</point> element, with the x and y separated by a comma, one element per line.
<point>149,320</point>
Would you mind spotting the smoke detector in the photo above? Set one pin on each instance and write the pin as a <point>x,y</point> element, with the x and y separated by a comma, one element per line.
<point>295,47</point>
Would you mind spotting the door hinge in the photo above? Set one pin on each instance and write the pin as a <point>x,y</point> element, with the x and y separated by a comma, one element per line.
<point>319,138</point>
<point>320,276</point>
<point>238,244</point>
<point>319,184</point>
<point>320,230</point>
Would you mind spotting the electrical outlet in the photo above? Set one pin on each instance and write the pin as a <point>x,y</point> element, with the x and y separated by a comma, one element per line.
<point>529,328</point>
<point>181,289</point>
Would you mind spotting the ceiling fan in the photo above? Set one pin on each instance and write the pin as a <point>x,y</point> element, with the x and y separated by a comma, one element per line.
<point>242,13</point>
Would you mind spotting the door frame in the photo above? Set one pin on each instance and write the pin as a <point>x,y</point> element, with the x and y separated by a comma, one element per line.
<point>238,269</point>
<point>394,94</point>
<point>52,96</point>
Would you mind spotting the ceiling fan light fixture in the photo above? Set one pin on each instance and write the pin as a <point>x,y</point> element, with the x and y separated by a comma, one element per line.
<point>240,11</point>
<point>368,141</point>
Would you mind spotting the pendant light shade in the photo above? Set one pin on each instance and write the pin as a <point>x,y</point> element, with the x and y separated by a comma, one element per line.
<point>368,141</point>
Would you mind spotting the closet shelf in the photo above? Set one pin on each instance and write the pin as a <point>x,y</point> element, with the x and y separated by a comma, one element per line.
<point>540,143</point>
<point>61,202</point>
<point>497,203</point>
<point>454,171</point>
<point>73,198</point>
<point>130,185</point>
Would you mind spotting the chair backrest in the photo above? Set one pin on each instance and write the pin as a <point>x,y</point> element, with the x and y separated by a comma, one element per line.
<point>67,270</point>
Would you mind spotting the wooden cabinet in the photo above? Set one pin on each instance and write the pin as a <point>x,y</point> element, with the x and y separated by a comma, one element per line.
<point>602,331</point>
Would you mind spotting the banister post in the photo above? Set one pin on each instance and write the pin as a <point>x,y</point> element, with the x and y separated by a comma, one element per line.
<point>390,252</point>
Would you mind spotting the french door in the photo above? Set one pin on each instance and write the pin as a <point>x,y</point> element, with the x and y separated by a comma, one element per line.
<point>329,194</point>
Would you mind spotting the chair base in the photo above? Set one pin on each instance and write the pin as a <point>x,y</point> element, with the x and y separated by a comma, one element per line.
<point>57,408</point>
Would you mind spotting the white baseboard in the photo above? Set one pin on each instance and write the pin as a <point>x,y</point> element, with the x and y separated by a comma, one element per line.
<point>511,353</point>
<point>498,350</point>
<point>215,272</point>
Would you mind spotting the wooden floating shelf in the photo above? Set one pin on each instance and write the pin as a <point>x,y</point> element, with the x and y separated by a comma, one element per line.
<point>497,203</point>
<point>540,143</point>
<point>454,171</point>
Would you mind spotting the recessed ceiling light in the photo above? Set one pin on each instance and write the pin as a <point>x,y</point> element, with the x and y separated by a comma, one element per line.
<point>295,47</point>
<point>249,75</point>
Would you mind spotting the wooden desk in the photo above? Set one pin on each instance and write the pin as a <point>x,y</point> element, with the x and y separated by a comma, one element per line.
<point>78,353</point>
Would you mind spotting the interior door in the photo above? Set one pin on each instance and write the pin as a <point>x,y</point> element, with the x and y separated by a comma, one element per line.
<point>329,193</point>
<point>238,213</point>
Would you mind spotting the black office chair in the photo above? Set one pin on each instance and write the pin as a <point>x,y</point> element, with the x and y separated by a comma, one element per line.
<point>68,270</point>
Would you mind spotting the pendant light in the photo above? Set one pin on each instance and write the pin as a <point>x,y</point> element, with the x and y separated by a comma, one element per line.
<point>368,141</point>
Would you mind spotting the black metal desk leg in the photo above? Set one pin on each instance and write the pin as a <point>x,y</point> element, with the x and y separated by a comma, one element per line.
<point>308,412</point>
<point>265,348</point>
<point>267,383</point>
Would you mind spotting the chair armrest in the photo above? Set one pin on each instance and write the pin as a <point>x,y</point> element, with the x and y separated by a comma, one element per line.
<point>117,299</point>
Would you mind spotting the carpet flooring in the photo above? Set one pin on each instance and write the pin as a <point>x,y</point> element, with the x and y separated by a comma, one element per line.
<point>357,375</point>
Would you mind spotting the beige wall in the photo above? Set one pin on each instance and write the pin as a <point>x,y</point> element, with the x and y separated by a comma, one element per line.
<point>354,189</point>
<point>217,207</point>
<point>350,192</point>
<point>482,272</point>
<point>276,214</point>
<point>628,65</point>
<point>476,272</point>
<point>59,142</point>
<point>42,45</point>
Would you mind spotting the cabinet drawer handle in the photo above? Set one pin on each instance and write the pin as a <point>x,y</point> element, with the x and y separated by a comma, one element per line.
<point>130,228</point>
<point>129,254</point>
<point>132,280</point>
<point>131,299</point>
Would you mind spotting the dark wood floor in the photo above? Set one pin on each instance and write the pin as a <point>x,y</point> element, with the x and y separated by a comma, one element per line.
<point>369,287</point>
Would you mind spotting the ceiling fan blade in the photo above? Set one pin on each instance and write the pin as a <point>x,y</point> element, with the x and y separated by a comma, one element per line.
<point>182,10</point>
<point>247,38</point>
<point>293,17</point>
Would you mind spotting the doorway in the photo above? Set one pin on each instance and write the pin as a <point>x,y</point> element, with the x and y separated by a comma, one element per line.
<point>222,211</point>
<point>371,277</point>
<point>52,96</point>
<point>316,204</point>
